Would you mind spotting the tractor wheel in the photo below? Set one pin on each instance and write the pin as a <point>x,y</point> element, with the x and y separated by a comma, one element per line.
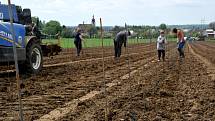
<point>34,58</point>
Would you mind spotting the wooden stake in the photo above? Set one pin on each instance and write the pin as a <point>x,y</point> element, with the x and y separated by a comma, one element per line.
<point>127,51</point>
<point>16,61</point>
<point>103,69</point>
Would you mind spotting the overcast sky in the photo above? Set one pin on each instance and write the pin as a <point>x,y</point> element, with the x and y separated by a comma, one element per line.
<point>117,12</point>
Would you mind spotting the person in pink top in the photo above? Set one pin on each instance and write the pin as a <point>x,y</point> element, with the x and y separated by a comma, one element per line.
<point>180,42</point>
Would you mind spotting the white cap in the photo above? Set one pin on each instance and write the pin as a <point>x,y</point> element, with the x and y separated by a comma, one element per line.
<point>162,31</point>
<point>132,32</point>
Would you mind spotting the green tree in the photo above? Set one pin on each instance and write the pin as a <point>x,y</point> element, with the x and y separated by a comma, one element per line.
<point>117,29</point>
<point>93,31</point>
<point>39,23</point>
<point>52,27</point>
<point>212,25</point>
<point>67,32</point>
<point>163,26</point>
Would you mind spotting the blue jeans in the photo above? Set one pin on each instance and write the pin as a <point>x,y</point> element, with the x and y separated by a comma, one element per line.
<point>180,49</point>
<point>181,45</point>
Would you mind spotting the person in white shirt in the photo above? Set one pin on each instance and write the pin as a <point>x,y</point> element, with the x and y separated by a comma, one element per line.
<point>161,42</point>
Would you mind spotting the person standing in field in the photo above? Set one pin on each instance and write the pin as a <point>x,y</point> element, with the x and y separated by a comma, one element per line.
<point>180,42</point>
<point>78,41</point>
<point>161,41</point>
<point>119,40</point>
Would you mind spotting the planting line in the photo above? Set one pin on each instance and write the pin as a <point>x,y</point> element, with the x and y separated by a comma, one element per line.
<point>71,62</point>
<point>210,66</point>
<point>86,60</point>
<point>8,71</point>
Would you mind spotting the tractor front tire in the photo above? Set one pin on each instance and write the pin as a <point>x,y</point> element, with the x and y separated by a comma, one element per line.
<point>34,59</point>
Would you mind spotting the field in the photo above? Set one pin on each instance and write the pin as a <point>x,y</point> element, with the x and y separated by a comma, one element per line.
<point>136,87</point>
<point>69,42</point>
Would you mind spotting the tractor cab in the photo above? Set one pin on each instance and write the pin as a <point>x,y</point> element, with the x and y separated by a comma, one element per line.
<point>4,13</point>
<point>19,16</point>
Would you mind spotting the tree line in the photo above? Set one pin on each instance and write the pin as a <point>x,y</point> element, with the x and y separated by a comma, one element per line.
<point>54,27</point>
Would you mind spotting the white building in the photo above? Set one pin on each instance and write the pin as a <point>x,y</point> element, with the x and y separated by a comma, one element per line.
<point>210,33</point>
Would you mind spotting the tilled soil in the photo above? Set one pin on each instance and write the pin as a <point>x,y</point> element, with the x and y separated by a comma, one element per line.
<point>171,90</point>
<point>207,50</point>
<point>55,86</point>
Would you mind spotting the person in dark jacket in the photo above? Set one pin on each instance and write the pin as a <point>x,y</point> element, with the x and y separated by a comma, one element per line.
<point>120,39</point>
<point>78,41</point>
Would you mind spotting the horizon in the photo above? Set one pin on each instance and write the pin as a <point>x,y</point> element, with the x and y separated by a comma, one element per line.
<point>151,26</point>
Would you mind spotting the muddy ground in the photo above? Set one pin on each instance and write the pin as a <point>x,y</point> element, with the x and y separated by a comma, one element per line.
<point>170,90</point>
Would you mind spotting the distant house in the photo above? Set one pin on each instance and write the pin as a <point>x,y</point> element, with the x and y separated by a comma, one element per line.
<point>88,29</point>
<point>85,27</point>
<point>186,30</point>
<point>210,33</point>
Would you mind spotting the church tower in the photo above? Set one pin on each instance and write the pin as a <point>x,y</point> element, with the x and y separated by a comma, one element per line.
<point>93,21</point>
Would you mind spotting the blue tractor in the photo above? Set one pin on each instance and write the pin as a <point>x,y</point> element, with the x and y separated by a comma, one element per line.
<point>28,39</point>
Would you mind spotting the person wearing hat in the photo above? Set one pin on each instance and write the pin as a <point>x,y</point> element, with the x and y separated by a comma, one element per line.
<point>78,41</point>
<point>119,40</point>
<point>180,42</point>
<point>161,41</point>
